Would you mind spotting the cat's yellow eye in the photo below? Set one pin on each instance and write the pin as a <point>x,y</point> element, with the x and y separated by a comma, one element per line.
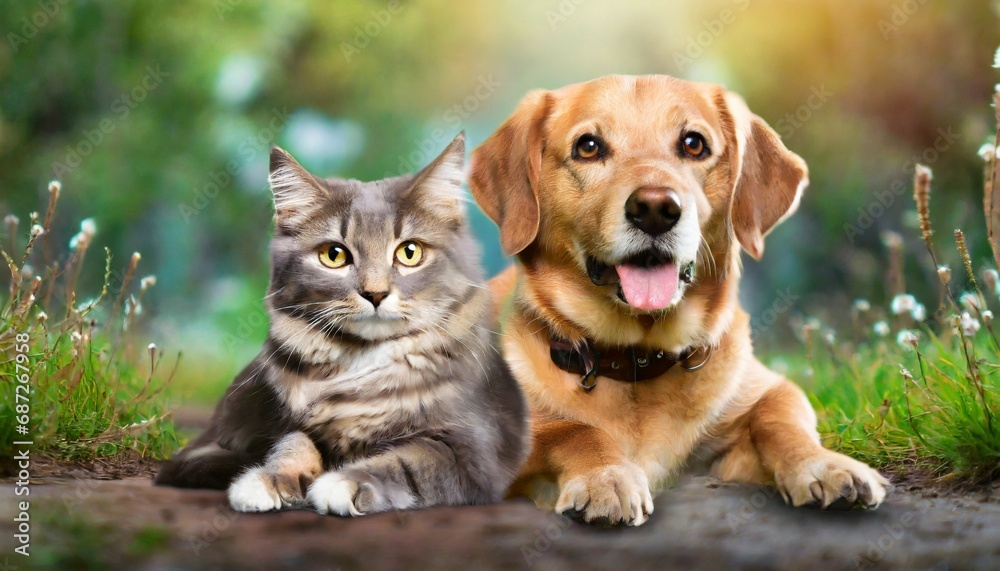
<point>334,256</point>
<point>410,254</point>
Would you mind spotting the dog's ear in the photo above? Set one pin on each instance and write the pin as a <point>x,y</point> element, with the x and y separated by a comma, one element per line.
<point>767,179</point>
<point>504,172</point>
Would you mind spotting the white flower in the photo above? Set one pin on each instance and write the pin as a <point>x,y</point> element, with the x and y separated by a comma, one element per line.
<point>991,278</point>
<point>11,220</point>
<point>891,239</point>
<point>987,317</point>
<point>944,272</point>
<point>830,336</point>
<point>74,242</point>
<point>88,227</point>
<point>42,316</point>
<point>968,324</point>
<point>919,312</point>
<point>881,328</point>
<point>987,152</point>
<point>902,303</point>
<point>907,339</point>
<point>76,337</point>
<point>28,272</point>
<point>861,305</point>
<point>970,301</point>
<point>147,282</point>
<point>37,230</point>
<point>55,186</point>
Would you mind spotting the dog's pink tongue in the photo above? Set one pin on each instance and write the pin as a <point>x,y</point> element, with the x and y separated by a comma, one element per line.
<point>648,288</point>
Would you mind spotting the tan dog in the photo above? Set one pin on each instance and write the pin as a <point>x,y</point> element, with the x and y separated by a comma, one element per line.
<point>626,201</point>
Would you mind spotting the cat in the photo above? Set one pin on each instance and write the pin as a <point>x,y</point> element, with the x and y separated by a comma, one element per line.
<point>380,385</point>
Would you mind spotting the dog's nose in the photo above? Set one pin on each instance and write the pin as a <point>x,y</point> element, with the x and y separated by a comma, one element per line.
<point>653,210</point>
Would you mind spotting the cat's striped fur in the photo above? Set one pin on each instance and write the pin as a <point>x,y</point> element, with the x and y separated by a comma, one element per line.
<point>361,404</point>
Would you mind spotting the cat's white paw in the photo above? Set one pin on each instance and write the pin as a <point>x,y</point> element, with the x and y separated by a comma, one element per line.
<point>334,494</point>
<point>253,492</point>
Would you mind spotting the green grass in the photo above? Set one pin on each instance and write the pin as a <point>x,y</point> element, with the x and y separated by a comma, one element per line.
<point>920,408</point>
<point>901,392</point>
<point>94,389</point>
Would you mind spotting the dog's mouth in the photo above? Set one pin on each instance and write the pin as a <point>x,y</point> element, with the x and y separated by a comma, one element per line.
<point>647,281</point>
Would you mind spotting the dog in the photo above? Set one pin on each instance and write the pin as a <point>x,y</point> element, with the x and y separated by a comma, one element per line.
<point>627,201</point>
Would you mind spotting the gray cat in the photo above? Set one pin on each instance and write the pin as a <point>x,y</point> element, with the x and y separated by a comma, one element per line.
<point>379,386</point>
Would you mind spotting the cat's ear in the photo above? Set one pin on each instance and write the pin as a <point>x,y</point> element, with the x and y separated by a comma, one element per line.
<point>296,191</point>
<point>438,187</point>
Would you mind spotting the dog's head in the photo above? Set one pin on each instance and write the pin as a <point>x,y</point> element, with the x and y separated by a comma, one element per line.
<point>645,185</point>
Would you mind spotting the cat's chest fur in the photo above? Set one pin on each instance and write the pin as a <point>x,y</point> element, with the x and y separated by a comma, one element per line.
<point>368,395</point>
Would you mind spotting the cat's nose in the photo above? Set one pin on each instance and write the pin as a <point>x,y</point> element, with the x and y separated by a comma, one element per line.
<point>374,297</point>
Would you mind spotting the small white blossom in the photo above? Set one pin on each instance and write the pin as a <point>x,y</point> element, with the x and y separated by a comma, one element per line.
<point>891,239</point>
<point>970,301</point>
<point>987,317</point>
<point>907,339</point>
<point>881,328</point>
<point>147,282</point>
<point>987,152</point>
<point>42,316</point>
<point>37,230</point>
<point>76,337</point>
<point>861,305</point>
<point>968,324</point>
<point>11,220</point>
<point>944,272</point>
<point>919,312</point>
<point>27,272</point>
<point>991,278</point>
<point>830,336</point>
<point>902,303</point>
<point>88,227</point>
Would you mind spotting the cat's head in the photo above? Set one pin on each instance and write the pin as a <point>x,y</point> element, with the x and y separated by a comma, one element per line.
<point>373,260</point>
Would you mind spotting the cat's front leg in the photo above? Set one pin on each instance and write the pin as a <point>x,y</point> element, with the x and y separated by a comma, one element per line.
<point>421,473</point>
<point>289,469</point>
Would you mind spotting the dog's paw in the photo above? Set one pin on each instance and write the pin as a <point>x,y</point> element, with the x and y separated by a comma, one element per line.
<point>254,491</point>
<point>831,481</point>
<point>612,495</point>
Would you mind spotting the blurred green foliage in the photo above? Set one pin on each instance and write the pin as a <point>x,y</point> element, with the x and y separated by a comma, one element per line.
<point>167,111</point>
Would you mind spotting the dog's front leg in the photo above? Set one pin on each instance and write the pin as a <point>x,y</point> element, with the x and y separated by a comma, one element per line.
<point>597,482</point>
<point>782,429</point>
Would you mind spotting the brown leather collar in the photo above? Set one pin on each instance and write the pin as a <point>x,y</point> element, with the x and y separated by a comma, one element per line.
<point>629,364</point>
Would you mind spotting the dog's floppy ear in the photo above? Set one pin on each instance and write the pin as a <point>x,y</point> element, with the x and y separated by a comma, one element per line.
<point>767,178</point>
<point>505,169</point>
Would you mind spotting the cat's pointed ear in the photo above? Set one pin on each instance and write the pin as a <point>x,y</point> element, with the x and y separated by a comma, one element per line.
<point>438,187</point>
<point>296,191</point>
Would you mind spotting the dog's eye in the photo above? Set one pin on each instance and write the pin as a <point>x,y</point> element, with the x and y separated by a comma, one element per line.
<point>588,147</point>
<point>693,145</point>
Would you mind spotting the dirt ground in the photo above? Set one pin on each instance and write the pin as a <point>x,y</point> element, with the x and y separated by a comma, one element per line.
<point>701,524</point>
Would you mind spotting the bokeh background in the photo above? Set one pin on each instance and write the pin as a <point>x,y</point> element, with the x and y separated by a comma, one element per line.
<point>158,117</point>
